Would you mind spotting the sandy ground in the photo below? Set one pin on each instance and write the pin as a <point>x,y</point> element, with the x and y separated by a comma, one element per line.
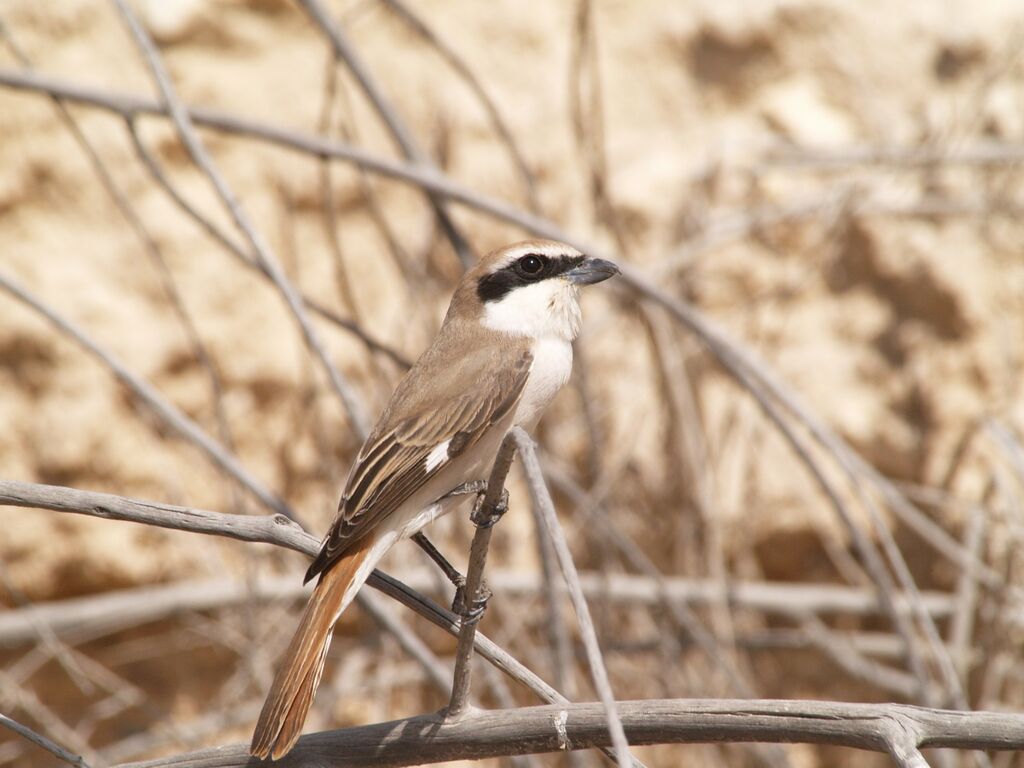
<point>812,175</point>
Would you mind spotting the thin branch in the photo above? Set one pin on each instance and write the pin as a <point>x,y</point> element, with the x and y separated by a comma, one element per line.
<point>207,225</point>
<point>39,740</point>
<point>440,674</point>
<point>462,68</point>
<point>187,133</point>
<point>93,616</point>
<point>980,153</point>
<point>542,498</point>
<point>343,51</point>
<point>430,179</point>
<point>128,105</point>
<point>484,517</point>
<point>278,530</point>
<point>170,415</point>
<point>150,246</point>
<point>894,729</point>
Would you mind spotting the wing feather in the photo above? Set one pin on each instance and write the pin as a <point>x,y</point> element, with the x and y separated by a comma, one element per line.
<point>392,464</point>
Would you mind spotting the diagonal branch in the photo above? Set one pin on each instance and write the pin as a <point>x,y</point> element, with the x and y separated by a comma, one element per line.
<point>277,530</point>
<point>542,498</point>
<point>343,50</point>
<point>39,740</point>
<point>187,133</point>
<point>168,413</point>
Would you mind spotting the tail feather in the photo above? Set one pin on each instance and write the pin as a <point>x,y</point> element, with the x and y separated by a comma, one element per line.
<point>298,675</point>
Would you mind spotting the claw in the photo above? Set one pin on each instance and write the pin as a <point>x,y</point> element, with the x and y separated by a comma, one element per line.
<point>471,614</point>
<point>485,518</point>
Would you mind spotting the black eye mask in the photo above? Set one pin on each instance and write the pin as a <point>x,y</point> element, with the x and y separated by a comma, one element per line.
<point>531,268</point>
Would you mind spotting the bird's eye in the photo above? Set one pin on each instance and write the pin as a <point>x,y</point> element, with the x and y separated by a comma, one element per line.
<point>530,266</point>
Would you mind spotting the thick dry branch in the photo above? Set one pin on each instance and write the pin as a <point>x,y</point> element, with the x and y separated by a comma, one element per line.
<point>130,106</point>
<point>270,529</point>
<point>493,733</point>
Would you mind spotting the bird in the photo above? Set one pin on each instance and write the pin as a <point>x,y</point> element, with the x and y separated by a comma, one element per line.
<point>501,354</point>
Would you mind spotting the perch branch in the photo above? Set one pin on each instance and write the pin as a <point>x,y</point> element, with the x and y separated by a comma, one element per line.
<point>897,729</point>
<point>278,530</point>
<point>489,510</point>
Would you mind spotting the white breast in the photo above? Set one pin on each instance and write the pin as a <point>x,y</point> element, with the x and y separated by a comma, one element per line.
<point>552,365</point>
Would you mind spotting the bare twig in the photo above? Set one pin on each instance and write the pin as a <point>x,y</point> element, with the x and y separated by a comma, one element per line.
<point>427,178</point>
<point>41,741</point>
<point>962,626</point>
<point>851,661</point>
<point>437,671</point>
<point>981,153</point>
<point>187,133</point>
<point>542,498</point>
<point>164,409</point>
<point>563,663</point>
<point>278,530</point>
<point>462,68</point>
<point>207,225</point>
<point>149,244</point>
<point>344,51</point>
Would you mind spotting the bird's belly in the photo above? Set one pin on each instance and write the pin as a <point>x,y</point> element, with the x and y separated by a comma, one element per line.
<point>552,365</point>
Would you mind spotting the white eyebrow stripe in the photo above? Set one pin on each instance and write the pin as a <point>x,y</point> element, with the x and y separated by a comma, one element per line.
<point>551,250</point>
<point>438,456</point>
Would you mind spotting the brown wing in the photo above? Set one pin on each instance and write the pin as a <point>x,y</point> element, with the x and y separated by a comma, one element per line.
<point>403,453</point>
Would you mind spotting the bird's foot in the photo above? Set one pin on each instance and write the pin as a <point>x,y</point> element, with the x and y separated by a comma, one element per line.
<point>471,613</point>
<point>485,516</point>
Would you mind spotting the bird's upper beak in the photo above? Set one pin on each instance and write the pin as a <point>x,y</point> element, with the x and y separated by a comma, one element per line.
<point>592,271</point>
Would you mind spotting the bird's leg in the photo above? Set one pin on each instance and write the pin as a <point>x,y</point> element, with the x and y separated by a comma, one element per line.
<point>457,579</point>
<point>473,486</point>
<point>482,516</point>
<point>485,517</point>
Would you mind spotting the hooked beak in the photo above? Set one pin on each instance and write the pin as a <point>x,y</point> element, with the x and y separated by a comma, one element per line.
<point>592,271</point>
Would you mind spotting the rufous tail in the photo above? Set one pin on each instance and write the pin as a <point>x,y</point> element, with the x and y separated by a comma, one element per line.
<point>300,668</point>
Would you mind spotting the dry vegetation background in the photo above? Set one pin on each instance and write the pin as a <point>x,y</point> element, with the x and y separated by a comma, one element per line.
<point>838,184</point>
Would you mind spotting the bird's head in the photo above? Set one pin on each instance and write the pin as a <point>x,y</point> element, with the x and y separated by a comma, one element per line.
<point>531,288</point>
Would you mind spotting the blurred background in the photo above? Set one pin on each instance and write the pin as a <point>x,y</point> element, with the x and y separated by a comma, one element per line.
<point>836,186</point>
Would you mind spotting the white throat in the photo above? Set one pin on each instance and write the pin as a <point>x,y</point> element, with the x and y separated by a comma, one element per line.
<point>549,309</point>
